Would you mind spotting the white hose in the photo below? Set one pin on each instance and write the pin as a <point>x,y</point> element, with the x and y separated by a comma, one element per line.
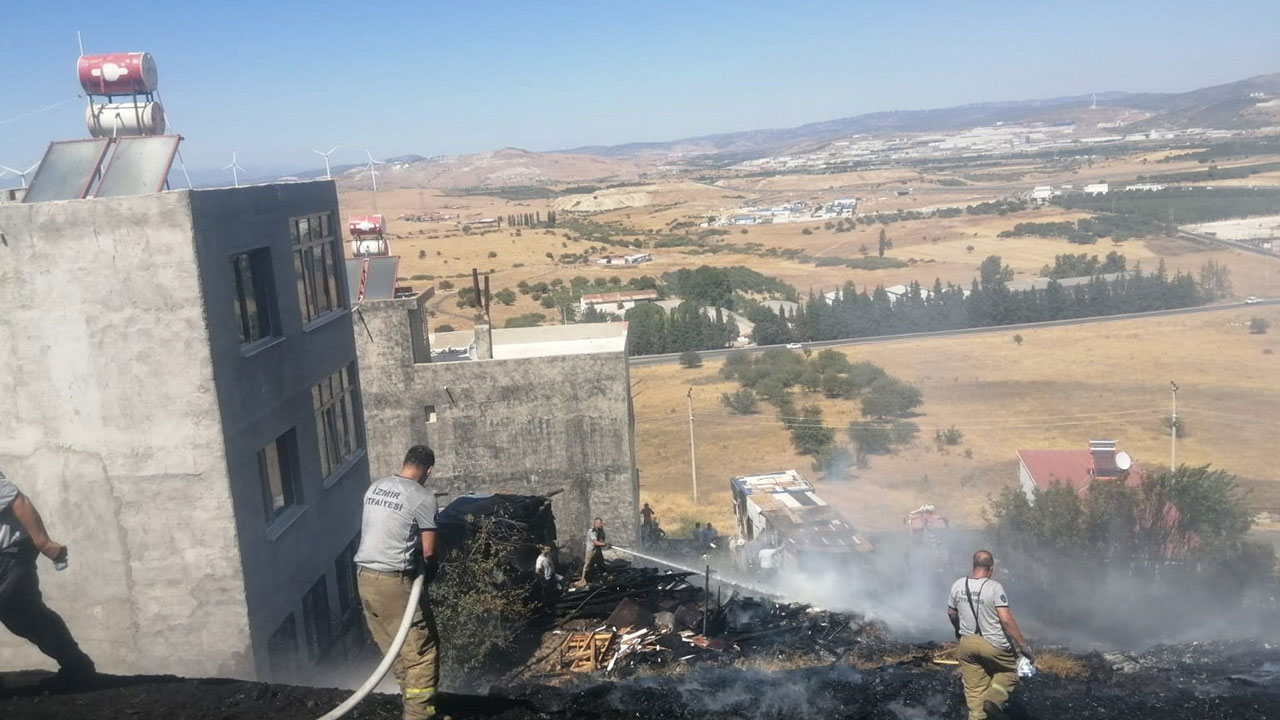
<point>390,657</point>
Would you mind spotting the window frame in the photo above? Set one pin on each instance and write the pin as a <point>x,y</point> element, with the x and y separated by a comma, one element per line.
<point>317,630</point>
<point>318,263</point>
<point>285,448</point>
<point>335,406</point>
<point>261,271</point>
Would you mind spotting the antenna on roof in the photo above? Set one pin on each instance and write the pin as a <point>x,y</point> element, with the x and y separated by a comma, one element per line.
<point>21,173</point>
<point>235,169</point>
<point>325,155</point>
<point>1124,461</point>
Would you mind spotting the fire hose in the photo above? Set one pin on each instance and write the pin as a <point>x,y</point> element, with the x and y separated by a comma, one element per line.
<point>381,671</point>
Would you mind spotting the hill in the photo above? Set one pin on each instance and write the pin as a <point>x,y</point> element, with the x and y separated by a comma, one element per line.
<point>1235,105</point>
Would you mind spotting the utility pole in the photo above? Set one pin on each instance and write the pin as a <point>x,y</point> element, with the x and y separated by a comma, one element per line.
<point>693,454</point>
<point>1173,427</point>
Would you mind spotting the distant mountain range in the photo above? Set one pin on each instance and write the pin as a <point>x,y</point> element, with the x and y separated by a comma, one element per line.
<point>1250,103</point>
<point>1231,106</point>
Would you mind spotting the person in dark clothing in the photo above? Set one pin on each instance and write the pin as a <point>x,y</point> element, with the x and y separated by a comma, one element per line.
<point>22,609</point>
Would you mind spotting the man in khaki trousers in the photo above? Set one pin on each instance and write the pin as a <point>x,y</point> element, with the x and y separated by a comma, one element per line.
<point>397,541</point>
<point>990,639</point>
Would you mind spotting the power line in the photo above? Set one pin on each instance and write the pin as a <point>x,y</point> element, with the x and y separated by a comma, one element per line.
<point>37,111</point>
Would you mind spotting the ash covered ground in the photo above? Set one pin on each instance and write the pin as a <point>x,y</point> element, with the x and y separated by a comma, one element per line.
<point>1203,681</point>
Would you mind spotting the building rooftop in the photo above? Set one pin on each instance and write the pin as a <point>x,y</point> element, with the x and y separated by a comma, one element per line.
<point>616,297</point>
<point>1075,468</point>
<point>513,343</point>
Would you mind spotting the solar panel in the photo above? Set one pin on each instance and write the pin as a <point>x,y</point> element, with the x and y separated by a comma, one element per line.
<point>139,166</point>
<point>355,267</point>
<point>380,282</point>
<point>67,170</point>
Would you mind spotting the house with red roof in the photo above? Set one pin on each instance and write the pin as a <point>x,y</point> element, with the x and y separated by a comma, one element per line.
<point>1079,469</point>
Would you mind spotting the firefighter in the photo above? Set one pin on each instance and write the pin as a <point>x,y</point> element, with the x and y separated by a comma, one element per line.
<point>397,542</point>
<point>596,543</point>
<point>990,639</point>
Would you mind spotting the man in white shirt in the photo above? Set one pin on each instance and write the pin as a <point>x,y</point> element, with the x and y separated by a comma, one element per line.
<point>545,569</point>
<point>397,542</point>
<point>990,639</point>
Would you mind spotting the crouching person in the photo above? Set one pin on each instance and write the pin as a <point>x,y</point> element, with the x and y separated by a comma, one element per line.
<point>990,639</point>
<point>397,541</point>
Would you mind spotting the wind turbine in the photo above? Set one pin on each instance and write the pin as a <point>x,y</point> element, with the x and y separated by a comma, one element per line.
<point>373,172</point>
<point>21,173</point>
<point>235,169</point>
<point>325,155</point>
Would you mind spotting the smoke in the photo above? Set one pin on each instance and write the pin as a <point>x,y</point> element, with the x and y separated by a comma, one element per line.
<point>1057,601</point>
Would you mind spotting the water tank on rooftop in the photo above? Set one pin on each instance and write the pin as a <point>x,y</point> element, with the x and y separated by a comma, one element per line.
<point>131,73</point>
<point>124,119</point>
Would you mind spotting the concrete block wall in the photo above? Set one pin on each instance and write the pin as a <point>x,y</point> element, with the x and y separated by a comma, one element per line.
<point>109,422</point>
<point>528,425</point>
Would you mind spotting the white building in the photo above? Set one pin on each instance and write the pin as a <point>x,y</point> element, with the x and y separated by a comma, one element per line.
<point>1099,188</point>
<point>617,303</point>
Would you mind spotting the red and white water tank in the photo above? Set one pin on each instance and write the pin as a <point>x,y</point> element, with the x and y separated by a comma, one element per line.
<point>131,73</point>
<point>364,225</point>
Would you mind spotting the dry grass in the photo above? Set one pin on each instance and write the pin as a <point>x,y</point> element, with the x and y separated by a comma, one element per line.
<point>1060,388</point>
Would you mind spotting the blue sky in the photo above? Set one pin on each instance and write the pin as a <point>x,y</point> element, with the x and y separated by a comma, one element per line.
<point>272,79</point>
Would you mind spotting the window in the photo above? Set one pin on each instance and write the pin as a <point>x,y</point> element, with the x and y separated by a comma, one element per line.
<point>315,619</point>
<point>334,402</point>
<point>430,411</point>
<point>345,570</point>
<point>282,650</point>
<point>277,469</point>
<point>255,296</point>
<point>316,259</point>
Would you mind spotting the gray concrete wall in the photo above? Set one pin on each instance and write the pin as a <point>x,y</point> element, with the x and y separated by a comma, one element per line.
<point>109,422</point>
<point>530,425</point>
<point>265,393</point>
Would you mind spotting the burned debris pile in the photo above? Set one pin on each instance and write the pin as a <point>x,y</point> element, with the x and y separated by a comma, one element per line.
<point>631,618</point>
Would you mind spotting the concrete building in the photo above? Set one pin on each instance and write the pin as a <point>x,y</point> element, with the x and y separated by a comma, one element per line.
<point>179,397</point>
<point>1098,188</point>
<point>521,410</point>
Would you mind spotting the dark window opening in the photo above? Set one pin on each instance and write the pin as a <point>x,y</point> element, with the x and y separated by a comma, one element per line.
<point>316,621</point>
<point>278,471</point>
<point>282,650</point>
<point>255,296</point>
<point>338,434</point>
<point>317,261</point>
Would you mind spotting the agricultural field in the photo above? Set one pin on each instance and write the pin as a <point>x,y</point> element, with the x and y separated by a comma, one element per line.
<point>949,249</point>
<point>1058,388</point>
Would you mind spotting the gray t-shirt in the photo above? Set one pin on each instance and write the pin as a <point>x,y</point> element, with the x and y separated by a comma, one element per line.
<point>987,596</point>
<point>396,512</point>
<point>11,531</point>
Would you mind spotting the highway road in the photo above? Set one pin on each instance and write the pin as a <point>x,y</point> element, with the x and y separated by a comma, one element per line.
<point>642,360</point>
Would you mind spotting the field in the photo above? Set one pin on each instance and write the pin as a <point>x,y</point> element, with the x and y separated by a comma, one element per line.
<point>1058,389</point>
<point>949,249</point>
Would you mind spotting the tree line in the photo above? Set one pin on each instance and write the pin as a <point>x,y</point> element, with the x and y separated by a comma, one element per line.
<point>654,331</point>
<point>988,302</point>
<point>530,220</point>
